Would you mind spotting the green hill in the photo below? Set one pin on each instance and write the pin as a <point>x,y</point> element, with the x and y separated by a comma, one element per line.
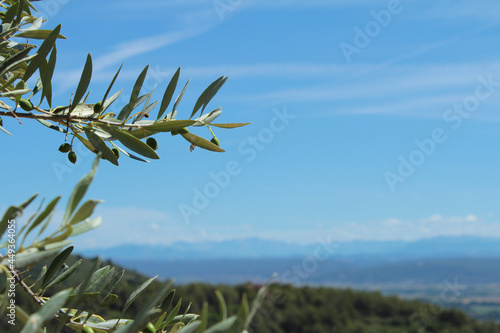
<point>291,309</point>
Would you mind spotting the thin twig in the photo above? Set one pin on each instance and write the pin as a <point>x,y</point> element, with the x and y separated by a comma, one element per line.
<point>27,289</point>
<point>63,118</point>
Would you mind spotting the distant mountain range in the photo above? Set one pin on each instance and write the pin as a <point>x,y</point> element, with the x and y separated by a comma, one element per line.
<point>253,248</point>
<point>335,272</point>
<point>471,260</point>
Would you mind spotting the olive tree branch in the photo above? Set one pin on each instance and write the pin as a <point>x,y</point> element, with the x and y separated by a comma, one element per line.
<point>27,289</point>
<point>65,118</point>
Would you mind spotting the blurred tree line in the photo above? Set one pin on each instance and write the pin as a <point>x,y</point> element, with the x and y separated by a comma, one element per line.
<point>292,309</point>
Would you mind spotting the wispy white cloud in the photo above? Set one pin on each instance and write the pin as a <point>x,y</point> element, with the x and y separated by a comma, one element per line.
<point>391,229</point>
<point>486,10</point>
<point>416,90</point>
<point>128,50</point>
<point>131,225</point>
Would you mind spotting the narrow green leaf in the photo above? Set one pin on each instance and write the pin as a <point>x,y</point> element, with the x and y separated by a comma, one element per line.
<point>136,293</point>
<point>9,81</point>
<point>54,266</point>
<point>38,87</point>
<point>256,305</point>
<point>159,321</point>
<point>131,142</point>
<point>172,314</point>
<point>222,305</point>
<point>46,312</point>
<point>86,143</point>
<point>46,82</point>
<point>84,82</point>
<point>88,300</point>
<point>142,318</point>
<point>85,98</point>
<point>147,107</point>
<point>168,126</point>
<point>178,100</point>
<point>191,327</point>
<point>101,146</point>
<point>132,156</point>
<point>230,125</point>
<point>203,318</point>
<point>208,118</point>
<point>4,130</point>
<point>169,93</point>
<point>223,326</point>
<point>35,25</point>
<point>108,300</point>
<point>13,213</point>
<point>140,100</point>
<point>84,211</point>
<point>106,292</point>
<point>51,126</point>
<point>167,302</point>
<point>202,143</point>
<point>208,94</point>
<point>85,226</point>
<point>20,10</point>
<point>45,224</point>
<point>42,53</point>
<point>28,202</point>
<point>64,275</point>
<point>24,259</point>
<point>43,215</point>
<point>38,34</point>
<point>111,86</point>
<point>107,325</point>
<point>79,191</point>
<point>73,302</point>
<point>30,220</point>
<point>11,13</point>
<point>102,282</point>
<point>110,100</point>
<point>171,115</point>
<point>15,93</point>
<point>242,314</point>
<point>125,112</point>
<point>93,280</point>
<point>40,276</point>
<point>46,74</point>
<point>13,61</point>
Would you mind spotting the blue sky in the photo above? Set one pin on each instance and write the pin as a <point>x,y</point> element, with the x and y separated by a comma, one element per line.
<point>370,120</point>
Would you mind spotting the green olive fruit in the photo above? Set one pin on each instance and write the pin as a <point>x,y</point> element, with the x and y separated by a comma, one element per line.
<point>1,122</point>
<point>152,143</point>
<point>150,328</point>
<point>87,329</point>
<point>183,130</point>
<point>26,105</point>
<point>65,147</point>
<point>116,152</point>
<point>72,157</point>
<point>215,141</point>
<point>98,107</point>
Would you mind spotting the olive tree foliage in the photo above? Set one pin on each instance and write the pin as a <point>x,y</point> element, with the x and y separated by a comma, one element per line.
<point>77,308</point>
<point>91,123</point>
<point>24,245</point>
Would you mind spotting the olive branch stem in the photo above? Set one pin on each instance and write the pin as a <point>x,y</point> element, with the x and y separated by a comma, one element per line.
<point>65,118</point>
<point>23,285</point>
